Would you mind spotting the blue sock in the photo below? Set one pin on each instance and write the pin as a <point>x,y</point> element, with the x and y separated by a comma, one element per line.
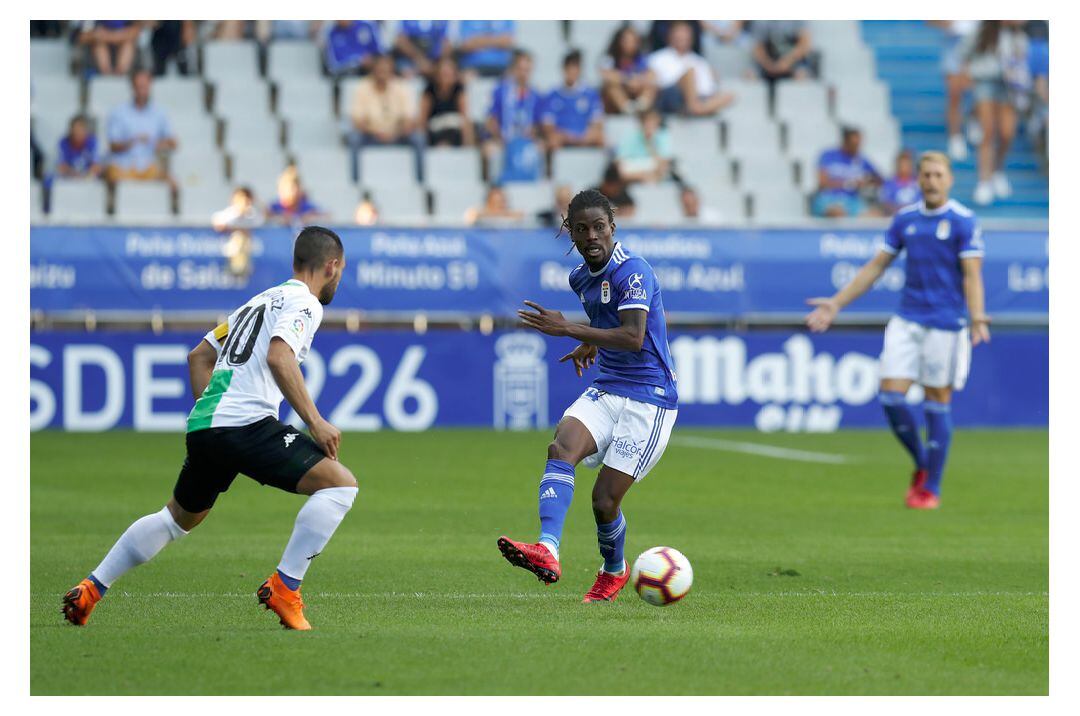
<point>291,583</point>
<point>611,538</point>
<point>100,587</point>
<point>556,492</point>
<point>938,437</point>
<point>902,419</point>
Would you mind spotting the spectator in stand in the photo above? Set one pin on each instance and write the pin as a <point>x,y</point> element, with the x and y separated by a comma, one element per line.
<point>996,58</point>
<point>172,40</point>
<point>384,112</point>
<point>229,29</point>
<point>644,154</point>
<point>270,30</point>
<point>843,175</point>
<point>1039,65</point>
<point>241,213</point>
<point>559,210</point>
<point>292,205</point>
<point>725,31</point>
<point>486,46</point>
<point>351,47</point>
<point>420,44</point>
<point>573,115</point>
<point>660,32</point>
<point>694,212</point>
<point>112,44</point>
<point>614,188</point>
<point>366,213</point>
<point>782,49</point>
<point>444,109</point>
<point>139,133</point>
<point>687,83</point>
<point>903,188</point>
<point>78,152</point>
<point>629,84</point>
<point>513,122</point>
<point>957,81</point>
<point>496,210</point>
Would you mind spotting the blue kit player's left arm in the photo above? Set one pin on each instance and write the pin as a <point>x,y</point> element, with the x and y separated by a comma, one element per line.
<point>971,259</point>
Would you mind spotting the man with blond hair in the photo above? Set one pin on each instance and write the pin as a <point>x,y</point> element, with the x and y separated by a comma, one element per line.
<point>941,317</point>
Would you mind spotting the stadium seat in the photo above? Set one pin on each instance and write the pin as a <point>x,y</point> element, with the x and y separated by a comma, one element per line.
<point>387,165</point>
<point>330,164</point>
<point>547,74</point>
<point>77,200</point>
<point>778,205</point>
<point>840,65</point>
<point>530,197</point>
<point>308,133</point>
<point>228,59</point>
<point>448,165</point>
<point>48,129</point>
<point>803,99</point>
<point>105,93</point>
<point>251,133</point>
<point>835,33</point>
<point>312,97</point>
<point>143,201</point>
<point>616,126</point>
<point>694,136</point>
<point>543,39</point>
<point>729,60</point>
<point>730,202</point>
<point>50,58</point>
<point>478,93</point>
<point>37,203</point>
<point>863,98</point>
<point>810,137</point>
<point>195,130</point>
<point>578,166</point>
<point>180,95</point>
<point>293,60</point>
<point>399,204</point>
<point>336,199</point>
<point>200,200</point>
<point>749,137</point>
<point>57,97</point>
<point>765,173</point>
<point>452,201</point>
<point>245,97</point>
<point>259,170</point>
<point>751,100</point>
<point>656,204</point>
<point>704,171</point>
<point>194,163</point>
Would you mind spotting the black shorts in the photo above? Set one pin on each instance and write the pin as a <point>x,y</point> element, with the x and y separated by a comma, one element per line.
<point>268,451</point>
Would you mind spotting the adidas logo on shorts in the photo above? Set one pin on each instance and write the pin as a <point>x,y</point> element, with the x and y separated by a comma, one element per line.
<point>548,493</point>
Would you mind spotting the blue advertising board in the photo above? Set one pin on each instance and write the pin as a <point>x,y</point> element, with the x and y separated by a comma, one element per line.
<point>772,380</point>
<point>718,273</point>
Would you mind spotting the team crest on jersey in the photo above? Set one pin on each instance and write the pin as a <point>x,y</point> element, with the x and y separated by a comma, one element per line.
<point>605,292</point>
<point>910,230</point>
<point>943,229</point>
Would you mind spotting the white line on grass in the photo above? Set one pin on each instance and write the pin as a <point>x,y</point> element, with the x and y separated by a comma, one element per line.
<point>540,595</point>
<point>780,453</point>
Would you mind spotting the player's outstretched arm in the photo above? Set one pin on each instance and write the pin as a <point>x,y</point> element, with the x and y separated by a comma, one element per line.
<point>825,309</point>
<point>286,371</point>
<point>201,361</point>
<point>629,336</point>
<point>974,294</point>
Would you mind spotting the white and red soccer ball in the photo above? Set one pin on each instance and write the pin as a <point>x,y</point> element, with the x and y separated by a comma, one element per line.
<point>662,576</point>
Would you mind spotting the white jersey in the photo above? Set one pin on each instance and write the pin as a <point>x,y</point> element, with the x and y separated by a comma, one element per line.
<point>242,390</point>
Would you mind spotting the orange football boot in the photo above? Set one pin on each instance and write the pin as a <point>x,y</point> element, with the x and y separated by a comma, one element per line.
<point>80,601</point>
<point>286,603</point>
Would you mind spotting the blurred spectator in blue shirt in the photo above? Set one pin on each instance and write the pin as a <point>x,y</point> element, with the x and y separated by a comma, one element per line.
<point>843,175</point>
<point>572,115</point>
<point>139,132</point>
<point>903,188</point>
<point>78,151</point>
<point>514,120</point>
<point>420,44</point>
<point>351,47</point>
<point>292,205</point>
<point>629,84</point>
<point>486,46</point>
<point>111,43</point>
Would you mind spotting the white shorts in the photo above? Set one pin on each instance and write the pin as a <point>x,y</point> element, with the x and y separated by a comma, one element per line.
<point>630,435</point>
<point>932,357</point>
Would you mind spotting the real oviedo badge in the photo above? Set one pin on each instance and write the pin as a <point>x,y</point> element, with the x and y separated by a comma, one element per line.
<point>605,292</point>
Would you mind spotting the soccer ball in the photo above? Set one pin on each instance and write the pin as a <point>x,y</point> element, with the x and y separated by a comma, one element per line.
<point>662,576</point>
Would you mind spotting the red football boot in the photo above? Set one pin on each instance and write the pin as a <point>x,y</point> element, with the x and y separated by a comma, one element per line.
<point>534,557</point>
<point>918,480</point>
<point>80,601</point>
<point>607,586</point>
<point>923,499</point>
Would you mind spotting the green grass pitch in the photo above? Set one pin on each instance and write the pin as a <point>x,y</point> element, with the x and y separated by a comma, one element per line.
<point>811,578</point>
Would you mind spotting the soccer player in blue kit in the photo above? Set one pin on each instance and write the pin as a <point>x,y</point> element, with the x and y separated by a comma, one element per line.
<point>622,421</point>
<point>941,317</point>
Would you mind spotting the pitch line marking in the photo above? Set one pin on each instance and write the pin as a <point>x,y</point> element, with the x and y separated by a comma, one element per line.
<point>433,595</point>
<point>773,451</point>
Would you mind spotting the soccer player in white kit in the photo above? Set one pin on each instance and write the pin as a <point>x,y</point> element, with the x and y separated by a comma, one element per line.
<point>240,372</point>
<point>942,316</point>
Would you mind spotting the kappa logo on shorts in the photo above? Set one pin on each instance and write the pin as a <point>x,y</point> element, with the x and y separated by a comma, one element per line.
<point>289,438</point>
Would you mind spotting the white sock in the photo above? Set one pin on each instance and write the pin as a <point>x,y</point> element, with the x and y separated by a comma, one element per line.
<point>145,538</point>
<point>315,525</point>
<point>551,548</point>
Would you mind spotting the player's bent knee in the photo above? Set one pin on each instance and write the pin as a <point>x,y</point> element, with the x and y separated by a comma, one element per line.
<point>604,506</point>
<point>326,473</point>
<point>937,395</point>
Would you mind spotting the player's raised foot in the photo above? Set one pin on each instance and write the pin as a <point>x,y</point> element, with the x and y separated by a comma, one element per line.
<point>536,558</point>
<point>80,601</point>
<point>286,603</point>
<point>918,483</point>
<point>923,500</point>
<point>607,586</point>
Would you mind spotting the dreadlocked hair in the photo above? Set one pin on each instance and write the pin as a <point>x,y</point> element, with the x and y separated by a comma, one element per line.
<point>588,199</point>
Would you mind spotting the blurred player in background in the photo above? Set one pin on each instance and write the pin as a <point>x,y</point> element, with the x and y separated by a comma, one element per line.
<point>941,317</point>
<point>239,373</point>
<point>622,422</point>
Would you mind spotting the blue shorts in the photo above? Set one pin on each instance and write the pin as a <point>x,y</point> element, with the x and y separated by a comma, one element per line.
<point>671,100</point>
<point>989,91</point>
<point>852,204</point>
